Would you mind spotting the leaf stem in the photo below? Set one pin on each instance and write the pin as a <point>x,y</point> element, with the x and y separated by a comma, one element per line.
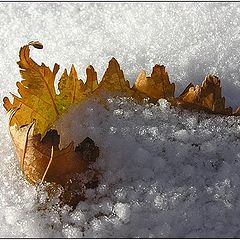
<point>49,163</point>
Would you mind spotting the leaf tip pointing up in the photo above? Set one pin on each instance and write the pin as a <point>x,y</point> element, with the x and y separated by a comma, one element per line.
<point>114,61</point>
<point>114,66</point>
<point>73,72</point>
<point>91,82</point>
<point>90,69</point>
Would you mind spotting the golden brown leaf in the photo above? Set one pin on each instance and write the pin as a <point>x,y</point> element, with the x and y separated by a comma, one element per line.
<point>38,107</point>
<point>35,155</point>
<point>38,99</point>
<point>32,115</point>
<point>42,160</point>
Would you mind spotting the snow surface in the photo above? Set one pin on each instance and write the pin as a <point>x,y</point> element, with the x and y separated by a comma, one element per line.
<point>166,173</point>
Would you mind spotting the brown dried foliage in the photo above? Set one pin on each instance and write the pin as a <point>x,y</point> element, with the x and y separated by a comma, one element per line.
<point>33,114</point>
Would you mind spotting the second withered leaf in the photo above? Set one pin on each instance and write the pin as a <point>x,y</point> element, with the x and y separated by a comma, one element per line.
<point>43,160</point>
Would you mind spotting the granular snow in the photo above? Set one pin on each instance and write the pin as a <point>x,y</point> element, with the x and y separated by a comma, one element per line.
<point>165,172</point>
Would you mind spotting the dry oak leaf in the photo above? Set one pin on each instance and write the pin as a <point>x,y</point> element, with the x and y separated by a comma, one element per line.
<point>32,115</point>
<point>207,97</point>
<point>38,99</point>
<point>42,160</point>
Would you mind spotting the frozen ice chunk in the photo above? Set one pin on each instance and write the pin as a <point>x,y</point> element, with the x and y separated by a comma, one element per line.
<point>182,135</point>
<point>164,104</point>
<point>120,193</point>
<point>71,232</point>
<point>161,202</point>
<point>122,210</point>
<point>78,217</point>
<point>148,114</point>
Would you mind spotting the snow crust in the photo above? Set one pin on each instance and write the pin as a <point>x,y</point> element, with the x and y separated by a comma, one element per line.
<point>165,172</point>
<point>161,167</point>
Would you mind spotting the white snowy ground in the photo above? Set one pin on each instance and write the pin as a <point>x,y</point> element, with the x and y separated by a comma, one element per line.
<point>166,173</point>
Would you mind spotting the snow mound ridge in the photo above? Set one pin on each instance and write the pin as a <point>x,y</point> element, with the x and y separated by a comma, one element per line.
<point>161,167</point>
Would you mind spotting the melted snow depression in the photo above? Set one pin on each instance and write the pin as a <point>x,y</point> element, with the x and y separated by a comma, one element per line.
<point>165,172</point>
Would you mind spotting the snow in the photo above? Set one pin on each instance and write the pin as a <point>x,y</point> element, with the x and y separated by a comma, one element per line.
<point>122,210</point>
<point>165,172</point>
